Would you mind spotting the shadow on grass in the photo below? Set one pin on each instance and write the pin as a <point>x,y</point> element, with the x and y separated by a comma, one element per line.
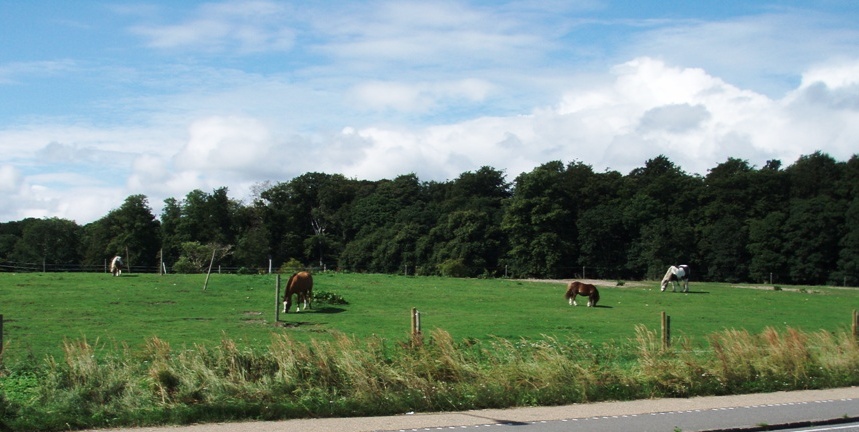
<point>690,292</point>
<point>328,310</point>
<point>293,324</point>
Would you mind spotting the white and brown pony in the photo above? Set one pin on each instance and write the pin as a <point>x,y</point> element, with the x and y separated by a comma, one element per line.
<point>301,285</point>
<point>577,288</point>
<point>674,275</point>
<point>116,266</point>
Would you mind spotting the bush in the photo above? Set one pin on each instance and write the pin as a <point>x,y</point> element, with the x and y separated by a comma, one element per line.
<point>291,266</point>
<point>330,298</point>
<point>184,265</point>
<point>453,268</point>
<point>346,376</point>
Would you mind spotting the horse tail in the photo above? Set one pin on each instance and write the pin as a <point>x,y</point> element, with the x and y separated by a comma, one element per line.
<point>596,295</point>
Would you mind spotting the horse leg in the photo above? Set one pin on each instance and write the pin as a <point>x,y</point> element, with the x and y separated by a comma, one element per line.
<point>686,285</point>
<point>286,306</point>
<point>590,300</point>
<point>573,299</point>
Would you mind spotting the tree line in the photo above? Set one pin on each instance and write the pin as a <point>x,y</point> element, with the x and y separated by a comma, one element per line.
<point>738,223</point>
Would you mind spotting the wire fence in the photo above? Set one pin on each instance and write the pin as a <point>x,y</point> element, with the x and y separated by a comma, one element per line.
<point>568,272</point>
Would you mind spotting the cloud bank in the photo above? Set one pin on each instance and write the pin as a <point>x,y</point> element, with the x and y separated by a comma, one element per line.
<point>264,91</point>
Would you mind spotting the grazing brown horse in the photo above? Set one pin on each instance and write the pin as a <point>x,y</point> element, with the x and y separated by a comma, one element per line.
<point>578,288</point>
<point>300,284</point>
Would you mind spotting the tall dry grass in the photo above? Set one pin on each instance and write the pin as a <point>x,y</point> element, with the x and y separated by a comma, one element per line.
<point>94,385</point>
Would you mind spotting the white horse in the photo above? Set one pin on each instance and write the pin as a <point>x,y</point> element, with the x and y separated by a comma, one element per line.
<point>116,265</point>
<point>676,274</point>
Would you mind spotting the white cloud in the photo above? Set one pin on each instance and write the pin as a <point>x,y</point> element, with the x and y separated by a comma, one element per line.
<point>243,27</point>
<point>225,143</point>
<point>10,178</point>
<point>437,35</point>
<point>420,97</point>
<point>766,52</point>
<point>645,109</point>
<point>13,73</point>
<point>378,89</point>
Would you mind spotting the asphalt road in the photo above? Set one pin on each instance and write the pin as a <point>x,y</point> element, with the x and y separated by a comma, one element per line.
<point>719,413</point>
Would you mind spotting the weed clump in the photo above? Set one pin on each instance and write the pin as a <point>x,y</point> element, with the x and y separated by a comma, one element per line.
<point>95,385</point>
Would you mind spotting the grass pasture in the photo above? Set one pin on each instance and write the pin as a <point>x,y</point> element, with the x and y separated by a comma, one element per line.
<point>91,350</point>
<point>42,309</point>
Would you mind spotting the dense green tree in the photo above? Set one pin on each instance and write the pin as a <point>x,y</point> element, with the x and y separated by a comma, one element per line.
<point>310,216</point>
<point>50,241</point>
<point>811,236</point>
<point>848,256</point>
<point>252,250</point>
<point>798,224</point>
<point>814,226</point>
<point>659,200</point>
<point>131,228</point>
<point>766,248</point>
<point>207,218</point>
<point>539,223</point>
<point>814,175</point>
<point>171,237</point>
<point>10,233</point>
<point>469,237</point>
<point>725,205</point>
<point>604,242</point>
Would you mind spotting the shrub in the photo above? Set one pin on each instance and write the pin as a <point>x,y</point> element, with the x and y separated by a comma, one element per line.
<point>291,266</point>
<point>453,268</point>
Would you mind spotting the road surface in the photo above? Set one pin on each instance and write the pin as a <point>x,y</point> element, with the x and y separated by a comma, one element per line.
<point>717,413</point>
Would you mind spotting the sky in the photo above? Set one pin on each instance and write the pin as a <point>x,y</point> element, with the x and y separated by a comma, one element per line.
<point>100,100</point>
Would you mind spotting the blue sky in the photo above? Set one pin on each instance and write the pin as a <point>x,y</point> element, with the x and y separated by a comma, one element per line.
<point>100,100</point>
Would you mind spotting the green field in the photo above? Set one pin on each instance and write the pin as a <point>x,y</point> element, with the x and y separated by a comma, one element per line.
<point>91,350</point>
<point>40,310</point>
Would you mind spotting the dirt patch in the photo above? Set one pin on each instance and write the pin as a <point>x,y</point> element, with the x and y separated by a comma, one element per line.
<point>597,282</point>
<point>774,288</point>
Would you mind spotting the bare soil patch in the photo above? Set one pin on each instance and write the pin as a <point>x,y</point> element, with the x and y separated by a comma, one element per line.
<point>597,282</point>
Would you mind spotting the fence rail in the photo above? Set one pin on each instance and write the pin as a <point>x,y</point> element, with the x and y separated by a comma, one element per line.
<point>578,272</point>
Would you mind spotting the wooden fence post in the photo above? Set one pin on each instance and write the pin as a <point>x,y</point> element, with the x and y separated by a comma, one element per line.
<point>666,331</point>
<point>209,272</point>
<point>416,327</point>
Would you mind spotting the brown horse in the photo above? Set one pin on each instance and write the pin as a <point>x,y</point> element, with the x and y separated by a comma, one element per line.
<point>300,284</point>
<point>578,288</point>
